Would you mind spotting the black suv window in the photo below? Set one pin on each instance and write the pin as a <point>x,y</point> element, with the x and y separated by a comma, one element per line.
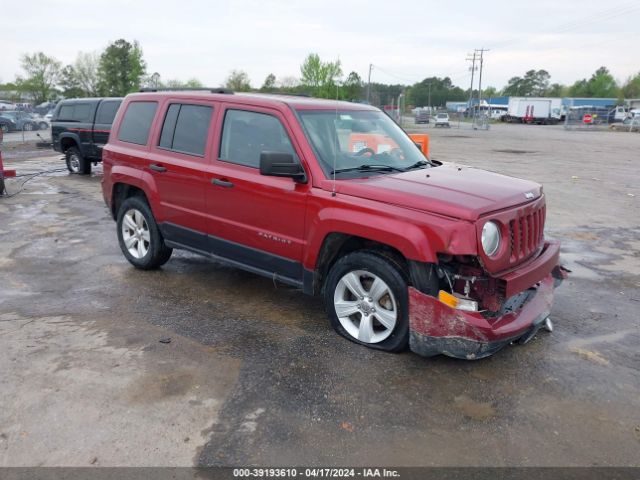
<point>77,112</point>
<point>245,135</point>
<point>136,123</point>
<point>185,128</point>
<point>107,112</point>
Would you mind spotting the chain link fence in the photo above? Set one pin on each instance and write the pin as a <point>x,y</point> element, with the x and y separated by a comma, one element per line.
<point>589,118</point>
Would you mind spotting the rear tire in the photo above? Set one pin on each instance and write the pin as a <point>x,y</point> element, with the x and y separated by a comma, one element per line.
<point>139,236</point>
<point>366,298</point>
<point>76,163</point>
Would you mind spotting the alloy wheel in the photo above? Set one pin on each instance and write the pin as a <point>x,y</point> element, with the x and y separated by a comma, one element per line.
<point>135,233</point>
<point>365,306</point>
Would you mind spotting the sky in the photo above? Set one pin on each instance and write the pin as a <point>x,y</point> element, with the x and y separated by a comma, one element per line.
<point>405,41</point>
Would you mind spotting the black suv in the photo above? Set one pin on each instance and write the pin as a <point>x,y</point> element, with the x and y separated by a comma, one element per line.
<point>80,128</point>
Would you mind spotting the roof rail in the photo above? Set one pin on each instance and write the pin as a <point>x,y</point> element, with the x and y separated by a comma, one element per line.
<point>289,94</point>
<point>189,89</point>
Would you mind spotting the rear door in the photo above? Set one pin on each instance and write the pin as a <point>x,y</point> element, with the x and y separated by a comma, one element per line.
<point>254,219</point>
<point>176,163</point>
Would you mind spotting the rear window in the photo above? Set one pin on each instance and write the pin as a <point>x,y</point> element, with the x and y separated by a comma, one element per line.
<point>107,112</point>
<point>185,128</point>
<point>136,122</point>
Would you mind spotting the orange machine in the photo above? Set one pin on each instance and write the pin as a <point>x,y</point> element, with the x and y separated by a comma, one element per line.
<point>381,143</point>
<point>421,139</point>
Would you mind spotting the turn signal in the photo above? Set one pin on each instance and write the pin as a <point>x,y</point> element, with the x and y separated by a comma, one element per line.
<point>457,302</point>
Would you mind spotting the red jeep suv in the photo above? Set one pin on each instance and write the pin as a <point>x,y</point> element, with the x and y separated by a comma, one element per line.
<point>336,199</point>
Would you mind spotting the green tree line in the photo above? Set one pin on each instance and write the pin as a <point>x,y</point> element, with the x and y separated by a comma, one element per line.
<point>121,68</point>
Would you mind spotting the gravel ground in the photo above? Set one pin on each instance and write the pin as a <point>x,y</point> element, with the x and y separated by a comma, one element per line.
<point>253,374</point>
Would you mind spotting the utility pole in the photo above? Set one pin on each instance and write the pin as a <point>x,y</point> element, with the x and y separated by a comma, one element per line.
<point>473,71</point>
<point>481,50</point>
<point>369,83</point>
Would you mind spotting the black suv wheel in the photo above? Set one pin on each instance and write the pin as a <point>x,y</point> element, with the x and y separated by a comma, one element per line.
<point>76,163</point>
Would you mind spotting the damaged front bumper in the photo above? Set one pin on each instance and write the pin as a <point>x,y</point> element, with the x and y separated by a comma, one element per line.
<point>436,328</point>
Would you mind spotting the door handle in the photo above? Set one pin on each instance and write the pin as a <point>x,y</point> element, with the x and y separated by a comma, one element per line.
<point>222,183</point>
<point>157,168</point>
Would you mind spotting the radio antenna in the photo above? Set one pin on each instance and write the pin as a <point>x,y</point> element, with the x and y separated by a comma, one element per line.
<point>336,144</point>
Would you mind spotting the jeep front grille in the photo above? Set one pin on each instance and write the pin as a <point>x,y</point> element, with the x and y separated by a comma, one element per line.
<point>526,234</point>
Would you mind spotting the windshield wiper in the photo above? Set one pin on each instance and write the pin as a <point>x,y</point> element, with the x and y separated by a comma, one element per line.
<point>364,168</point>
<point>418,164</point>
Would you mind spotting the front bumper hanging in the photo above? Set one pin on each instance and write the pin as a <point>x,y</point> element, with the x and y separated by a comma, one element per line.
<point>436,328</point>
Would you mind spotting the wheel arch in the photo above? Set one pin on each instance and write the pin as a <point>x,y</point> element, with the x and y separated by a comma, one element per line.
<point>335,245</point>
<point>68,141</point>
<point>120,192</point>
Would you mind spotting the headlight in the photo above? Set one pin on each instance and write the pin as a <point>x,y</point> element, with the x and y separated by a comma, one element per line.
<point>490,238</point>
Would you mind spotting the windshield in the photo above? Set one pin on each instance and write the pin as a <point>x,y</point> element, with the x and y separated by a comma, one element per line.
<point>359,143</point>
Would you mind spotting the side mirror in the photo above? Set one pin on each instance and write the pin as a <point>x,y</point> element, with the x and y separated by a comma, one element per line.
<point>276,164</point>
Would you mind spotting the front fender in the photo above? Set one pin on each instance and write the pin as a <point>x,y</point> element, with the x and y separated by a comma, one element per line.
<point>415,240</point>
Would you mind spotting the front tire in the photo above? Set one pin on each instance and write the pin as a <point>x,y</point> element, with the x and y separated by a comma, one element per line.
<point>76,163</point>
<point>139,236</point>
<point>366,298</point>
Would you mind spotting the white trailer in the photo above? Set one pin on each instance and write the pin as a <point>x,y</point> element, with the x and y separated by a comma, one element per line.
<point>538,110</point>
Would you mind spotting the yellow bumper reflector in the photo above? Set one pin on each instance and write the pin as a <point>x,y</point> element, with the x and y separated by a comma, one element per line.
<point>457,302</point>
<point>447,299</point>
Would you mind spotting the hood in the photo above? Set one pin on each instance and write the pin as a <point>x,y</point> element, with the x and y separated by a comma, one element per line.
<point>451,190</point>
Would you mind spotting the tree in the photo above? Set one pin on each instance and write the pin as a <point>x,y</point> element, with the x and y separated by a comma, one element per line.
<point>175,83</point>
<point>42,74</point>
<point>81,78</point>
<point>269,83</point>
<point>69,84</point>
<point>352,87</point>
<point>319,77</point>
<point>289,84</point>
<point>121,69</point>
<point>580,88</point>
<point>601,84</point>
<point>557,90</point>
<point>631,88</point>
<point>238,81</point>
<point>383,94</point>
<point>490,92</point>
<point>534,83</point>
<point>435,91</point>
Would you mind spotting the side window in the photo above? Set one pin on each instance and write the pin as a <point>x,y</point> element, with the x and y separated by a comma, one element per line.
<point>82,112</point>
<point>65,113</point>
<point>245,135</point>
<point>185,128</point>
<point>137,121</point>
<point>107,112</point>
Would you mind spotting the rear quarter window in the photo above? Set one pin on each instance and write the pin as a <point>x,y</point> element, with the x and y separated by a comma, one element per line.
<point>136,122</point>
